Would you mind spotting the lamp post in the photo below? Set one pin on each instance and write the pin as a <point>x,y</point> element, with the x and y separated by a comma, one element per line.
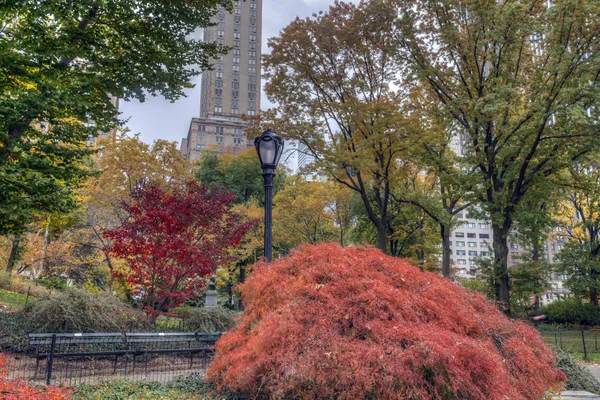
<point>269,147</point>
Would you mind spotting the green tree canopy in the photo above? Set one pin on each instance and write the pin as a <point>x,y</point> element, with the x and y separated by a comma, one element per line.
<point>60,63</point>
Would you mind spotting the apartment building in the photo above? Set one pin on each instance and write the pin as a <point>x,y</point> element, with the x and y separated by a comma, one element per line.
<point>232,88</point>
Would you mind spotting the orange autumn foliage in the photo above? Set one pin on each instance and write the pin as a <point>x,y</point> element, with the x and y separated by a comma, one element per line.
<point>20,390</point>
<point>352,323</point>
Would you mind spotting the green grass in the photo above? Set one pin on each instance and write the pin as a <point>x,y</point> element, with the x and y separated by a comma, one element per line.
<point>591,357</point>
<point>126,390</point>
<point>12,299</point>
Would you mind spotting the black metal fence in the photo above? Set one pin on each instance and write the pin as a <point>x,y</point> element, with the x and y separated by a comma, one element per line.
<point>586,342</point>
<point>76,358</point>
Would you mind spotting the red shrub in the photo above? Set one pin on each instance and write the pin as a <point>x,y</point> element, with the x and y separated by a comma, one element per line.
<point>353,323</point>
<point>19,390</point>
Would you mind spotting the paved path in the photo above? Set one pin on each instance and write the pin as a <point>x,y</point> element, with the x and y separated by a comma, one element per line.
<point>596,372</point>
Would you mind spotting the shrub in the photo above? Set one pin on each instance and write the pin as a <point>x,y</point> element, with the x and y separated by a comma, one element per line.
<point>328,322</point>
<point>13,332</point>
<point>212,319</point>
<point>19,390</point>
<point>579,376</point>
<point>21,284</point>
<point>572,311</point>
<point>80,311</point>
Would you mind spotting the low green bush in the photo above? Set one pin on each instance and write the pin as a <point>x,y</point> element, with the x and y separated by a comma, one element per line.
<point>190,387</point>
<point>207,319</point>
<point>80,311</point>
<point>572,311</point>
<point>579,376</point>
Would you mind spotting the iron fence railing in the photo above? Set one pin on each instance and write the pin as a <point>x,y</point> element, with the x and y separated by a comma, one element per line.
<point>76,358</point>
<point>584,341</point>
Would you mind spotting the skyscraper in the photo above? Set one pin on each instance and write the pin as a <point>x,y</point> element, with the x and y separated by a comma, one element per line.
<point>232,88</point>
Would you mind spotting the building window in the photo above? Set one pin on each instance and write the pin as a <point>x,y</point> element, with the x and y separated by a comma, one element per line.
<point>220,41</point>
<point>202,128</point>
<point>236,77</point>
<point>219,67</point>
<point>237,140</point>
<point>460,244</point>
<point>253,21</point>
<point>252,78</point>
<point>252,61</point>
<point>235,111</point>
<point>220,33</point>
<point>459,234</point>
<point>471,225</point>
<point>236,68</point>
<point>252,70</point>
<point>253,5</point>
<point>252,87</point>
<point>483,244</point>
<point>237,35</point>
<point>201,138</point>
<point>218,110</point>
<point>235,85</point>
<point>238,11</point>
<point>461,262</point>
<point>237,131</point>
<point>251,104</point>
<point>221,25</point>
<point>235,102</point>
<point>252,29</point>
<point>218,101</point>
<point>471,235</point>
<point>484,253</point>
<point>252,45</point>
<point>484,236</point>
<point>219,75</point>
<point>218,83</point>
<point>235,93</point>
<point>236,27</point>
<point>236,60</point>
<point>251,112</point>
<point>200,147</point>
<point>461,253</point>
<point>218,92</point>
<point>472,253</point>
<point>220,129</point>
<point>252,37</point>
<point>236,43</point>
<point>237,52</point>
<point>252,53</point>
<point>253,13</point>
<point>472,244</point>
<point>484,226</point>
<point>219,139</point>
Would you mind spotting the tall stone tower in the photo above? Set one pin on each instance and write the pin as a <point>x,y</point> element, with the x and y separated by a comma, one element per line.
<point>232,88</point>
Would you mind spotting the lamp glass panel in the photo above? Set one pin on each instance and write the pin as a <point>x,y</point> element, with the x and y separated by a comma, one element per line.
<point>267,149</point>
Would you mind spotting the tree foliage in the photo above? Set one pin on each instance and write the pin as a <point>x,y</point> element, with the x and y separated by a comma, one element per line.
<point>60,62</point>
<point>172,241</point>
<point>353,323</point>
<point>334,78</point>
<point>520,79</point>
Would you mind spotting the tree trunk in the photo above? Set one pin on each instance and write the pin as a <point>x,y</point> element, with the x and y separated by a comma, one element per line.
<point>15,254</point>
<point>445,234</point>
<point>382,239</point>
<point>43,263</point>
<point>501,281</point>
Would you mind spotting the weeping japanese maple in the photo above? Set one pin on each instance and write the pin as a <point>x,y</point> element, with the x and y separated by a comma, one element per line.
<point>352,323</point>
<point>172,240</point>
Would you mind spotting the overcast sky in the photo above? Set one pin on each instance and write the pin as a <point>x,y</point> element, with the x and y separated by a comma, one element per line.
<point>157,118</point>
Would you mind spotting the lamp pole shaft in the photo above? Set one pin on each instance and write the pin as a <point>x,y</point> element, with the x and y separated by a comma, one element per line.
<point>268,178</point>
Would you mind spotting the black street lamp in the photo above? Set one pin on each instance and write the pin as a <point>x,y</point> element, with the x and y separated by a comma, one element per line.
<point>269,147</point>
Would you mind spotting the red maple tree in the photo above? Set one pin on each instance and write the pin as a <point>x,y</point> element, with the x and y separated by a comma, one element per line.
<point>353,323</point>
<point>173,240</point>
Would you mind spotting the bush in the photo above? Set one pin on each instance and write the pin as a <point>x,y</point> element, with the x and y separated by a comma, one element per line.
<point>572,311</point>
<point>20,390</point>
<point>21,284</point>
<point>212,319</point>
<point>13,332</point>
<point>579,376</point>
<point>328,322</point>
<point>80,311</point>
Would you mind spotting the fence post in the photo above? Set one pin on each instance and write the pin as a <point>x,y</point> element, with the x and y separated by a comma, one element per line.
<point>583,340</point>
<point>27,298</point>
<point>50,360</point>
